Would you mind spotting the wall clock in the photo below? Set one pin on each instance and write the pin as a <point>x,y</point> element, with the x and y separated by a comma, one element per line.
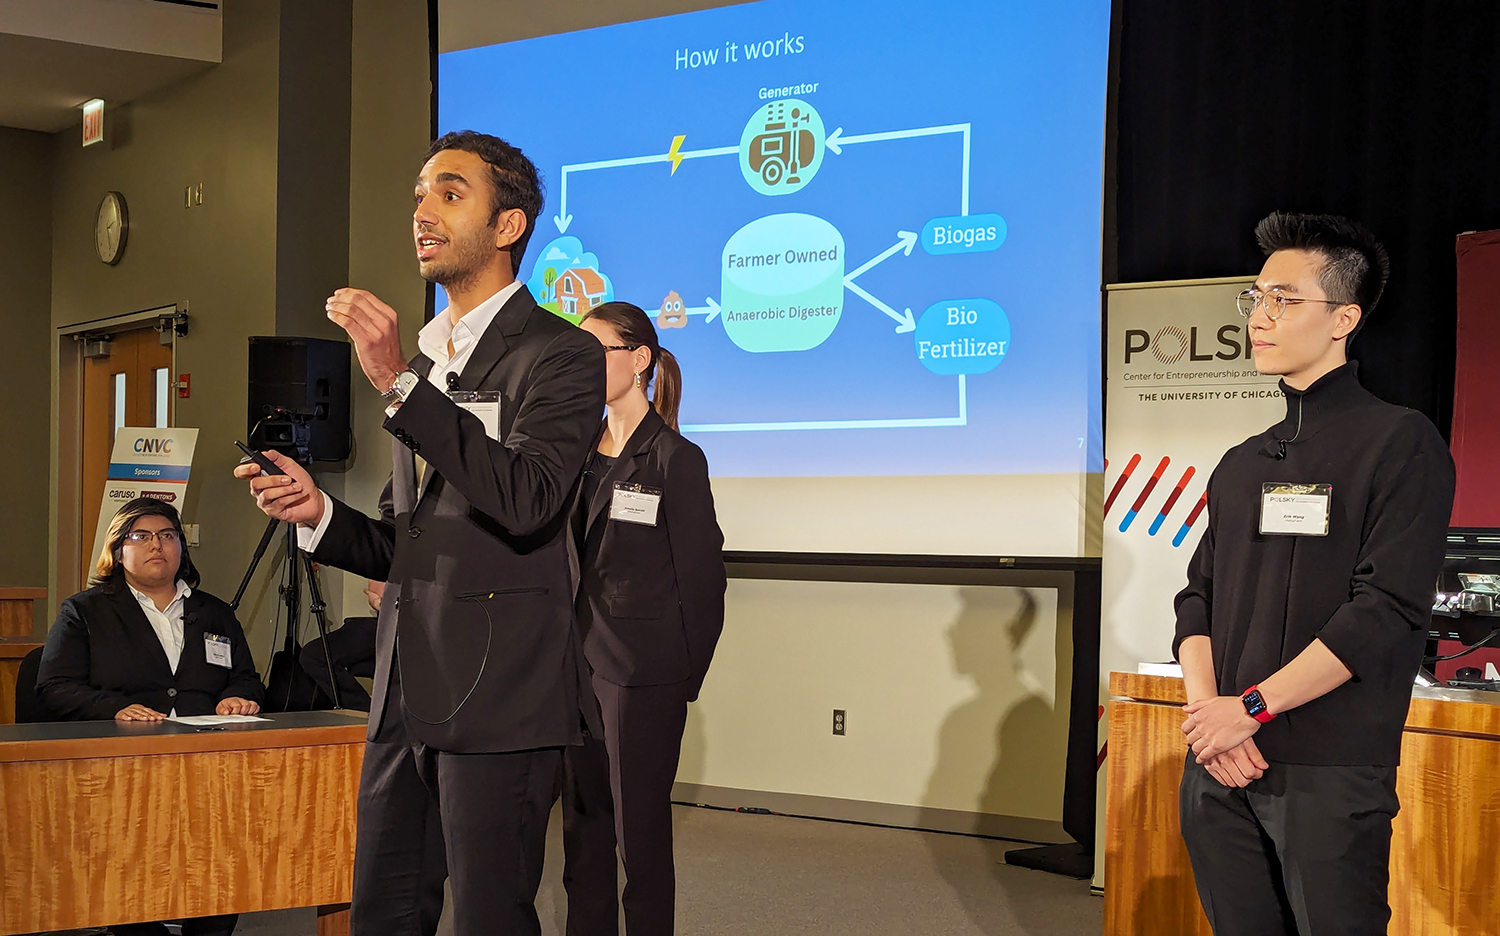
<point>111,225</point>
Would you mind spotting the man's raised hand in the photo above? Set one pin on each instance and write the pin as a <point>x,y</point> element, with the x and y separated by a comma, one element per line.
<point>373,327</point>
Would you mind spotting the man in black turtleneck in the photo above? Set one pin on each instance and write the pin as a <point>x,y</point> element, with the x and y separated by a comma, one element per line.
<point>1303,622</point>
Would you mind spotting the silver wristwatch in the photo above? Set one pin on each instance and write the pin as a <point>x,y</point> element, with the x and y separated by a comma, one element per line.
<point>401,388</point>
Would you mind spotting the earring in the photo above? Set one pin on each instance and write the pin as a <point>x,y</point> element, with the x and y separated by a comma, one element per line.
<point>638,381</point>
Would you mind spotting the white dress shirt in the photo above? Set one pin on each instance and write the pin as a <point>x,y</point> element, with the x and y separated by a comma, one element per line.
<point>433,341</point>
<point>167,623</point>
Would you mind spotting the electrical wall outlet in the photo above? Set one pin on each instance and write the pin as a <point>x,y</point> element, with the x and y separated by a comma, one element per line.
<point>838,721</point>
<point>191,529</point>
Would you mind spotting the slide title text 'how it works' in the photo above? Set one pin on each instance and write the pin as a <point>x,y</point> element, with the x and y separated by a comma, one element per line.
<point>788,44</point>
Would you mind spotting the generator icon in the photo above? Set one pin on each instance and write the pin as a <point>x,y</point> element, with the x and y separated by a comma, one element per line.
<point>782,147</point>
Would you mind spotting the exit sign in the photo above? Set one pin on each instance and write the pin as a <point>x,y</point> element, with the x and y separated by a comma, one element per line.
<point>93,122</point>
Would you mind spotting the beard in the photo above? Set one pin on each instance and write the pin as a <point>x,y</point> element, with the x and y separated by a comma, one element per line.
<point>467,257</point>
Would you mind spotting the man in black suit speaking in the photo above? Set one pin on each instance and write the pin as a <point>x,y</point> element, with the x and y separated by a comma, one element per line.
<point>478,676</point>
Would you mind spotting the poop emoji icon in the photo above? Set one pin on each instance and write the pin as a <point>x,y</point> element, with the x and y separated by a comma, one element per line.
<point>672,314</point>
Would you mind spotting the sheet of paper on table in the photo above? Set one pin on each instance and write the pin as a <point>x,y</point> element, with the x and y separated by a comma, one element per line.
<point>204,721</point>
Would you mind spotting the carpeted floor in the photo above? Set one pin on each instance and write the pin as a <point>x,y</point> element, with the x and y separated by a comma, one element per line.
<point>741,874</point>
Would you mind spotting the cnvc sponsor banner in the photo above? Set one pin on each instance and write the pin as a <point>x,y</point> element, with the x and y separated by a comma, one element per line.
<point>145,463</point>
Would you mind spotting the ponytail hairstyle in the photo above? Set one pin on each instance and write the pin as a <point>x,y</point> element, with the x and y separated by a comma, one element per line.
<point>634,328</point>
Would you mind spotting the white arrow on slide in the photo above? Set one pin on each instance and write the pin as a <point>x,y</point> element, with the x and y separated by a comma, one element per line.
<point>562,219</point>
<point>836,141</point>
<point>904,320</point>
<point>905,241</point>
<point>711,310</point>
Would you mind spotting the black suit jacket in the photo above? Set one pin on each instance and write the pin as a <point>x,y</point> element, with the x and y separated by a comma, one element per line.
<point>478,613</point>
<point>650,605</point>
<point>103,655</point>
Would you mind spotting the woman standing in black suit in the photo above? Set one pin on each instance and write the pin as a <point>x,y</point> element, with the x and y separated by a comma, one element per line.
<point>649,610</point>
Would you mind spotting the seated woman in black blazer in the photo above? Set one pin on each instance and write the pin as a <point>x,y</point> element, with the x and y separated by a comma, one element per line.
<point>649,610</point>
<point>144,642</point>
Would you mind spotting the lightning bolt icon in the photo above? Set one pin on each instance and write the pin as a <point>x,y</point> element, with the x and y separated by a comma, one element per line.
<point>672,153</point>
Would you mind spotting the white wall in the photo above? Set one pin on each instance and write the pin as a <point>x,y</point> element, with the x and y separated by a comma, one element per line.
<point>956,697</point>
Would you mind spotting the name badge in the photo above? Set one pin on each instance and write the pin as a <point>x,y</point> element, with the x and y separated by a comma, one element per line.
<point>217,648</point>
<point>1295,509</point>
<point>482,403</point>
<point>635,503</point>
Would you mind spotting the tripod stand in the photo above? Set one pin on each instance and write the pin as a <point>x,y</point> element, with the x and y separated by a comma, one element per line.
<point>291,596</point>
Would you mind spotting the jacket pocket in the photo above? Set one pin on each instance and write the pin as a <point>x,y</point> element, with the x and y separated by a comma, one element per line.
<point>636,606</point>
<point>499,593</point>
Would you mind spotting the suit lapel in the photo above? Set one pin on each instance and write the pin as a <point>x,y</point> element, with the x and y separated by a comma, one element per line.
<point>638,445</point>
<point>583,513</point>
<point>194,628</point>
<point>403,462</point>
<point>507,323</point>
<point>138,629</point>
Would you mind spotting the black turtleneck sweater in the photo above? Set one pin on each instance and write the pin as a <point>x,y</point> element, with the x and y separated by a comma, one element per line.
<point>1365,590</point>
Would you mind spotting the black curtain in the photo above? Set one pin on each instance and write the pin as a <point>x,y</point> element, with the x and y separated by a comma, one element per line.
<point>1387,111</point>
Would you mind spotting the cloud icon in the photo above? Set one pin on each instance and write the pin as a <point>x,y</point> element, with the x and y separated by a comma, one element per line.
<point>566,279</point>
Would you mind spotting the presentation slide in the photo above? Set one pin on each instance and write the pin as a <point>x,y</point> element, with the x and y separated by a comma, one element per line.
<point>869,231</point>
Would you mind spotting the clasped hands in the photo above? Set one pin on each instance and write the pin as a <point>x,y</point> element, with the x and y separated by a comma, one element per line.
<point>1220,733</point>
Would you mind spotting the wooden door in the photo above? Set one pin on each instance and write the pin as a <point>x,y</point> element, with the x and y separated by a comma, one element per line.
<point>130,387</point>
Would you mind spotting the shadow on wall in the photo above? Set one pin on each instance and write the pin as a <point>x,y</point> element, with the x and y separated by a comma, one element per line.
<point>1016,704</point>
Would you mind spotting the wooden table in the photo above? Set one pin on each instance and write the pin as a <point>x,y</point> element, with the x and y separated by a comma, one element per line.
<point>1445,849</point>
<point>12,651</point>
<point>18,610</point>
<point>107,823</point>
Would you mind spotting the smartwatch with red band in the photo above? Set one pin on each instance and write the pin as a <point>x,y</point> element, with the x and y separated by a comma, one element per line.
<point>1255,706</point>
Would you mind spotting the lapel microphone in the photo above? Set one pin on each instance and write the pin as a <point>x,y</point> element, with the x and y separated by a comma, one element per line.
<point>452,381</point>
<point>1276,448</point>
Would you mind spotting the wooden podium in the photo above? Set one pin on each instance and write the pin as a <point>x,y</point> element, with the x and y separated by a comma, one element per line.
<point>1445,851</point>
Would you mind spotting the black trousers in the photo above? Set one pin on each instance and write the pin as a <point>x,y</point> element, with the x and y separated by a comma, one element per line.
<point>477,819</point>
<point>1303,851</point>
<point>618,793</point>
<point>353,649</point>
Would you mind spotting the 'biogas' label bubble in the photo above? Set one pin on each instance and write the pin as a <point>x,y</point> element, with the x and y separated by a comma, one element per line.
<point>783,283</point>
<point>963,234</point>
<point>782,147</point>
<point>962,336</point>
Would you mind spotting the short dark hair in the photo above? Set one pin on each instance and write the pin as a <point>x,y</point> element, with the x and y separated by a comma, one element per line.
<point>514,181</point>
<point>1355,265</point>
<point>109,570</point>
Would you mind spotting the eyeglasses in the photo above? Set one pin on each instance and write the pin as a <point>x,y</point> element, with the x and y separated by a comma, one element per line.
<point>1274,303</point>
<point>144,537</point>
<point>621,347</point>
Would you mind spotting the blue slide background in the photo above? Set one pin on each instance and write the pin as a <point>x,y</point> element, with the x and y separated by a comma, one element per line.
<point>1030,78</point>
